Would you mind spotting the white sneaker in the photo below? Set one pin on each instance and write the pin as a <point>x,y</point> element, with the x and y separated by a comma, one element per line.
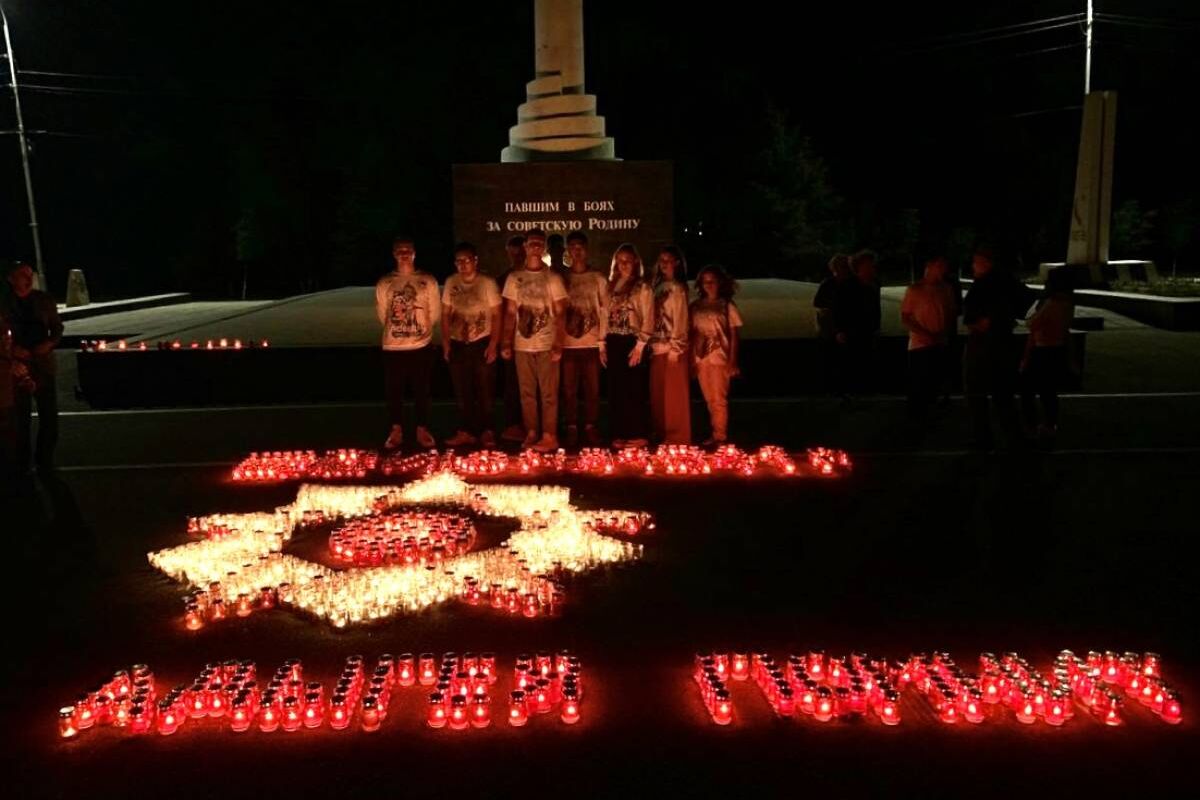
<point>460,439</point>
<point>547,444</point>
<point>425,438</point>
<point>395,438</point>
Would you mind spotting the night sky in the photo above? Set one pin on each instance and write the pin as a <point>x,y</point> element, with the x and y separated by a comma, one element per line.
<point>189,136</point>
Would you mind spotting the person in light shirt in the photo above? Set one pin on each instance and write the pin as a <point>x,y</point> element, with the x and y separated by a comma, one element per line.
<point>670,408</point>
<point>470,341</point>
<point>715,345</point>
<point>928,313</point>
<point>535,302</point>
<point>408,306</point>
<point>584,350</point>
<point>630,326</point>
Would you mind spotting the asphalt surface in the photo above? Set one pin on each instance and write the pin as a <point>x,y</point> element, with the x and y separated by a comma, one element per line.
<point>924,546</point>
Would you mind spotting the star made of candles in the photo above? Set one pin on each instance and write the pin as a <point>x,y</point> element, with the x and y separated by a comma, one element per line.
<point>239,564</point>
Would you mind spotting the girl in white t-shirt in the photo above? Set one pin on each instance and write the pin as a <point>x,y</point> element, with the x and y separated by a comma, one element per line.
<point>715,343</point>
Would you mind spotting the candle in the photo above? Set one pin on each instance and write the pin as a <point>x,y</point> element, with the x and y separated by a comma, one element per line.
<point>722,707</point>
<point>458,713</point>
<point>239,716</point>
<point>570,708</point>
<point>823,705</point>
<point>436,716</point>
<point>889,708</point>
<point>67,727</point>
<point>481,715</point>
<point>291,714</point>
<point>739,668</point>
<point>518,714</point>
<point>372,718</point>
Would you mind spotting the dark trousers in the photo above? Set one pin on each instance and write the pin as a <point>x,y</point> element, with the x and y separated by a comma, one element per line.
<point>512,395</point>
<point>472,377</point>
<point>990,370</point>
<point>8,443</point>
<point>46,397</point>
<point>926,371</point>
<point>405,371</point>
<point>581,371</point>
<point>628,389</point>
<point>1042,378</point>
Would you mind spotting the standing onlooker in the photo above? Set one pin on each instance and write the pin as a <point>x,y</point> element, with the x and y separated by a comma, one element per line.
<point>408,306</point>
<point>535,302</point>
<point>927,311</point>
<point>670,406</point>
<point>715,342</point>
<point>8,432</point>
<point>630,325</point>
<point>471,333</point>
<point>513,430</point>
<point>584,346</point>
<point>1044,364</point>
<point>993,304</point>
<point>36,330</point>
<point>868,316</point>
<point>836,302</point>
<point>556,249</point>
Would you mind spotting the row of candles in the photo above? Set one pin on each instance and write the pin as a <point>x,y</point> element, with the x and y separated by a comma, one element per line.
<point>232,693</point>
<point>123,346</point>
<point>666,460</point>
<point>828,687</point>
<point>238,566</point>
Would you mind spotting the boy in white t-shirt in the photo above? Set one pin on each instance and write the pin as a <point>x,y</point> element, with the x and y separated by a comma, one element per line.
<point>408,306</point>
<point>535,303</point>
<point>583,348</point>
<point>470,338</point>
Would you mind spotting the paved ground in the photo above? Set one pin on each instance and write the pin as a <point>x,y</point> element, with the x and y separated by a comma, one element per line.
<point>926,551</point>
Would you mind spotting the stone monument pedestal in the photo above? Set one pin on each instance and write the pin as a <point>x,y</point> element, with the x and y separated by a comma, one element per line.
<point>610,201</point>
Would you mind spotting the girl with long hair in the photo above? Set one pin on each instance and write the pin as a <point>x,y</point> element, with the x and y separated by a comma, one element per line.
<point>630,325</point>
<point>715,321</point>
<point>670,409</point>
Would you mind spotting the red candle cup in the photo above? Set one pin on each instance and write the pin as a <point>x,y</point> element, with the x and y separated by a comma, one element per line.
<point>458,713</point>
<point>518,713</point>
<point>481,712</point>
<point>67,728</point>
<point>168,719</point>
<point>371,716</point>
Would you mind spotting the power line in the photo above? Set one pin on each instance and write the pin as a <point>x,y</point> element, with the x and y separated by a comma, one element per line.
<point>990,39</point>
<point>85,76</point>
<point>1001,28</point>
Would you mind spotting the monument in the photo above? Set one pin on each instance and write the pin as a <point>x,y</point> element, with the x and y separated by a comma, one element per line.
<point>1091,212</point>
<point>559,171</point>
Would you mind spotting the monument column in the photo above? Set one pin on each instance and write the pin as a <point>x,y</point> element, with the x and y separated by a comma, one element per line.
<point>558,120</point>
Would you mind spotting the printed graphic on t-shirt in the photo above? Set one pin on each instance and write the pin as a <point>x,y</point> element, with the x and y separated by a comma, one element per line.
<point>621,312</point>
<point>535,294</point>
<point>404,321</point>
<point>469,319</point>
<point>582,308</point>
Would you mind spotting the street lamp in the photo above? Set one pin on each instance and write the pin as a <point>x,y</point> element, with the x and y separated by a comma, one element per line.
<point>33,223</point>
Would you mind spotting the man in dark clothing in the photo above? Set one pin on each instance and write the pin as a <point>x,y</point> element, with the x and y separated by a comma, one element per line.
<point>8,432</point>
<point>868,319</point>
<point>36,331</point>
<point>838,320</point>
<point>993,304</point>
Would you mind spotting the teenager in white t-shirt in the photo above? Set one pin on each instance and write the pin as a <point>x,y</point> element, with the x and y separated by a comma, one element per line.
<point>670,406</point>
<point>470,339</point>
<point>535,302</point>
<point>584,346</point>
<point>715,345</point>
<point>408,306</point>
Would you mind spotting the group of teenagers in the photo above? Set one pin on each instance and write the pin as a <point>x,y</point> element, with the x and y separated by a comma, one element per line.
<point>996,366</point>
<point>553,322</point>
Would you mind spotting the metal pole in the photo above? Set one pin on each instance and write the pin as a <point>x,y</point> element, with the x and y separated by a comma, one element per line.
<point>1087,63</point>
<point>33,223</point>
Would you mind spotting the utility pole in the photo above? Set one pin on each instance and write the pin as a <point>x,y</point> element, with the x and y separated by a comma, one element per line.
<point>33,223</point>
<point>1087,63</point>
